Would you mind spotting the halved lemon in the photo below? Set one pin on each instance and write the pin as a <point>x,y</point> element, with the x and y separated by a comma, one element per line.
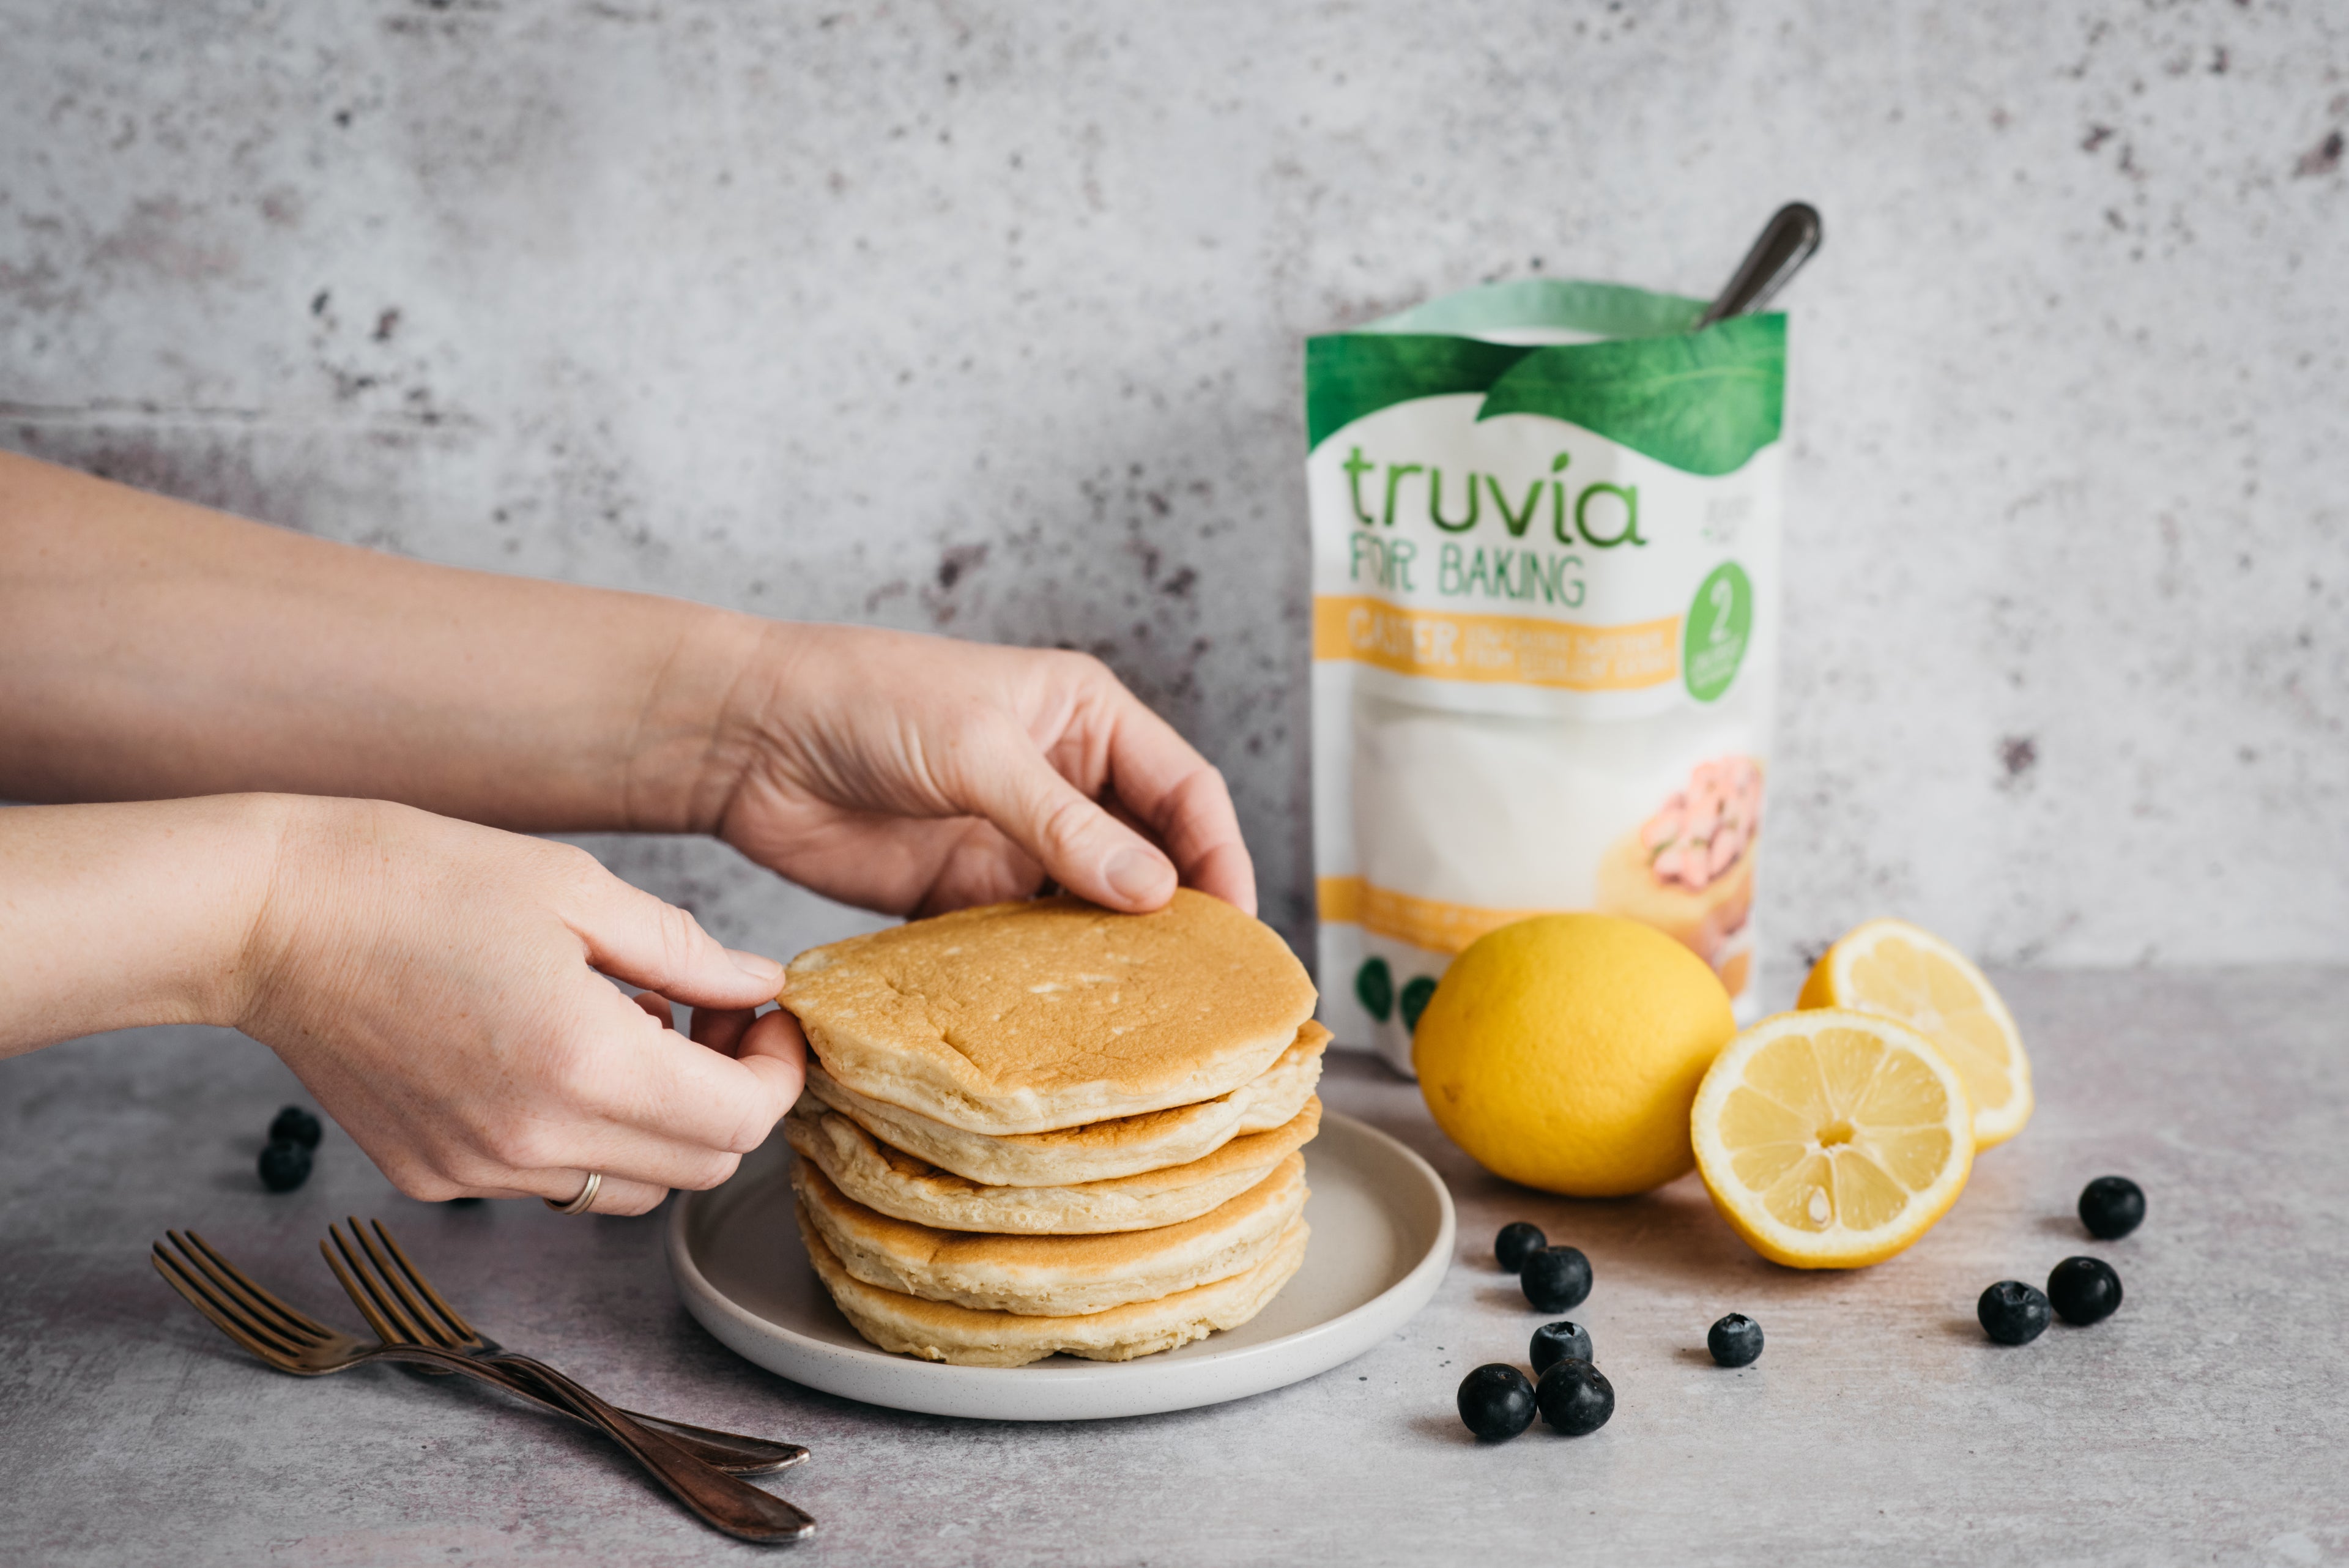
<point>1902,971</point>
<point>1832,1139</point>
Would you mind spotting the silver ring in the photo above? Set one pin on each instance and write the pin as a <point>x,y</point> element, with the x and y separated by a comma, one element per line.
<point>578,1205</point>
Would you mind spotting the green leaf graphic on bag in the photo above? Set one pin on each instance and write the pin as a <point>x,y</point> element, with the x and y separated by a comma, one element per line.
<point>1374,984</point>
<point>1704,402</point>
<point>1352,374</point>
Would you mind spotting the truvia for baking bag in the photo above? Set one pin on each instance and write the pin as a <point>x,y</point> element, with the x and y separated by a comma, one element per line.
<point>1546,520</point>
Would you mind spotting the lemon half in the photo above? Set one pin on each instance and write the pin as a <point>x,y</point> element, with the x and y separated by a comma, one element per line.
<point>1832,1139</point>
<point>1902,971</point>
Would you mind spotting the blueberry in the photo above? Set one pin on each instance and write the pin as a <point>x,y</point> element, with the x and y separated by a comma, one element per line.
<point>1555,1279</point>
<point>284,1165</point>
<point>1496,1401</point>
<point>2013,1313</point>
<point>1735,1341</point>
<point>2084,1291</point>
<point>1517,1243</point>
<point>1574,1396</point>
<point>1554,1342</point>
<point>295,1125</point>
<point>2111,1206</point>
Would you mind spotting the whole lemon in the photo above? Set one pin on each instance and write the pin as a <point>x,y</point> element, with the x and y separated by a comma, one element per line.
<point>1565,1052</point>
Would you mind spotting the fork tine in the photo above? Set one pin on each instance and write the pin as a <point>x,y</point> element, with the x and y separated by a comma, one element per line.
<point>177,1276</point>
<point>376,1320</point>
<point>208,1256</point>
<point>438,1333</point>
<point>450,1314</point>
<point>403,1330</point>
<point>261,1310</point>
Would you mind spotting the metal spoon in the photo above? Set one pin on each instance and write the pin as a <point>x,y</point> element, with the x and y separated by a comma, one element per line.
<point>1786,243</point>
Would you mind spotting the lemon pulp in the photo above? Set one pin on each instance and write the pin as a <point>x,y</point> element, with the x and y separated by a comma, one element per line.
<point>1832,1139</point>
<point>1898,970</point>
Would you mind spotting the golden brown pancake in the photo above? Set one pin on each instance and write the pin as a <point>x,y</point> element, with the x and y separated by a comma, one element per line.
<point>1051,1276</point>
<point>1024,1018</point>
<point>904,1188</point>
<point>940,1331</point>
<point>1098,1151</point>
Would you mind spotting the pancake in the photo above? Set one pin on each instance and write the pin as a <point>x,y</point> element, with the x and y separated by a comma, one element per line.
<point>1051,1276</point>
<point>904,1188</point>
<point>936,1331</point>
<point>1098,1151</point>
<point>1024,1018</point>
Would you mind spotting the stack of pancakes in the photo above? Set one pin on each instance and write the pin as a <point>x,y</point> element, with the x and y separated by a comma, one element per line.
<point>1043,1127</point>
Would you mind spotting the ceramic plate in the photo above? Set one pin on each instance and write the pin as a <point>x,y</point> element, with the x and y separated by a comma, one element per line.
<point>1382,1234</point>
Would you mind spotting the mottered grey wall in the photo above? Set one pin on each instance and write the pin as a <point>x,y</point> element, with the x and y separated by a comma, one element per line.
<point>985,319</point>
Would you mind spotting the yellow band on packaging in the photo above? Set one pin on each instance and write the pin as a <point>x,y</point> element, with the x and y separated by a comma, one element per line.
<point>1519,650</point>
<point>1428,924</point>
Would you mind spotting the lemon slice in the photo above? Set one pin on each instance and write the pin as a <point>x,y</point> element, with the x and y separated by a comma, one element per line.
<point>1893,968</point>
<point>1832,1139</point>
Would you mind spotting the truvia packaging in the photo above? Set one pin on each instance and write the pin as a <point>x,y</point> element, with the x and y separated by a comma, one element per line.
<point>1546,520</point>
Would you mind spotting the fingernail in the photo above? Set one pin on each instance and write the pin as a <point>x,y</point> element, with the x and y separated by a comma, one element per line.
<point>1136,875</point>
<point>764,970</point>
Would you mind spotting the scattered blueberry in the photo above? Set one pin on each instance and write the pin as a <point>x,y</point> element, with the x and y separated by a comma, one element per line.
<point>2111,1206</point>
<point>1517,1243</point>
<point>2084,1291</point>
<point>1554,1342</point>
<point>1496,1401</point>
<point>1574,1396</point>
<point>1735,1341</point>
<point>1555,1279</point>
<point>2013,1313</point>
<point>295,1125</point>
<point>284,1165</point>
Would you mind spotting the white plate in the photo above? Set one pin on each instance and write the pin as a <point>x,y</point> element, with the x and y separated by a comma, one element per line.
<point>1382,1231</point>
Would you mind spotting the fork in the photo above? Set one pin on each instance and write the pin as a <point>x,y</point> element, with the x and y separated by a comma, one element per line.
<point>730,1452</point>
<point>400,1304</point>
<point>293,1341</point>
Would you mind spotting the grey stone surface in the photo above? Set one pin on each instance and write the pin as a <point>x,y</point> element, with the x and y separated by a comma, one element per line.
<point>985,319</point>
<point>2203,1423</point>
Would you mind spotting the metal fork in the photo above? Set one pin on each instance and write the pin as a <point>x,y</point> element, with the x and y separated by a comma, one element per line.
<point>293,1341</point>
<point>731,1451</point>
<point>400,1304</point>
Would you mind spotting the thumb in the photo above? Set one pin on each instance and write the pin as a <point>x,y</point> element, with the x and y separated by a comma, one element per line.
<point>633,937</point>
<point>1079,845</point>
<point>776,1052</point>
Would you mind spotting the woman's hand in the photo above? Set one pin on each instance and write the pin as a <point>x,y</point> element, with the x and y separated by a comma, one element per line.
<point>439,986</point>
<point>151,649</point>
<point>913,775</point>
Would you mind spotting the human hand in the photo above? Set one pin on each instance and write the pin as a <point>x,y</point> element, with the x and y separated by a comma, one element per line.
<point>436,985</point>
<point>914,774</point>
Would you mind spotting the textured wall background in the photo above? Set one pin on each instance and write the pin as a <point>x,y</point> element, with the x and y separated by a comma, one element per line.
<point>985,319</point>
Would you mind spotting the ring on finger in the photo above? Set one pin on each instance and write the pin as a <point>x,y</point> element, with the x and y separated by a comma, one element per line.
<point>586,1198</point>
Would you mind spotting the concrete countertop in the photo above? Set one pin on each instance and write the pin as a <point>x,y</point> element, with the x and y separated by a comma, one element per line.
<point>2205,1422</point>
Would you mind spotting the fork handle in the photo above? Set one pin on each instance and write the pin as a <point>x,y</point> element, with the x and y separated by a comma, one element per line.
<point>722,1502</point>
<point>733,1452</point>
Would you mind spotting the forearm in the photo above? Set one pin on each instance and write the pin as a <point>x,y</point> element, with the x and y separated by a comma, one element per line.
<point>152,649</point>
<point>116,916</point>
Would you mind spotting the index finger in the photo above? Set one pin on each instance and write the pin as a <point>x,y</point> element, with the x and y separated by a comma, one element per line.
<point>1164,781</point>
